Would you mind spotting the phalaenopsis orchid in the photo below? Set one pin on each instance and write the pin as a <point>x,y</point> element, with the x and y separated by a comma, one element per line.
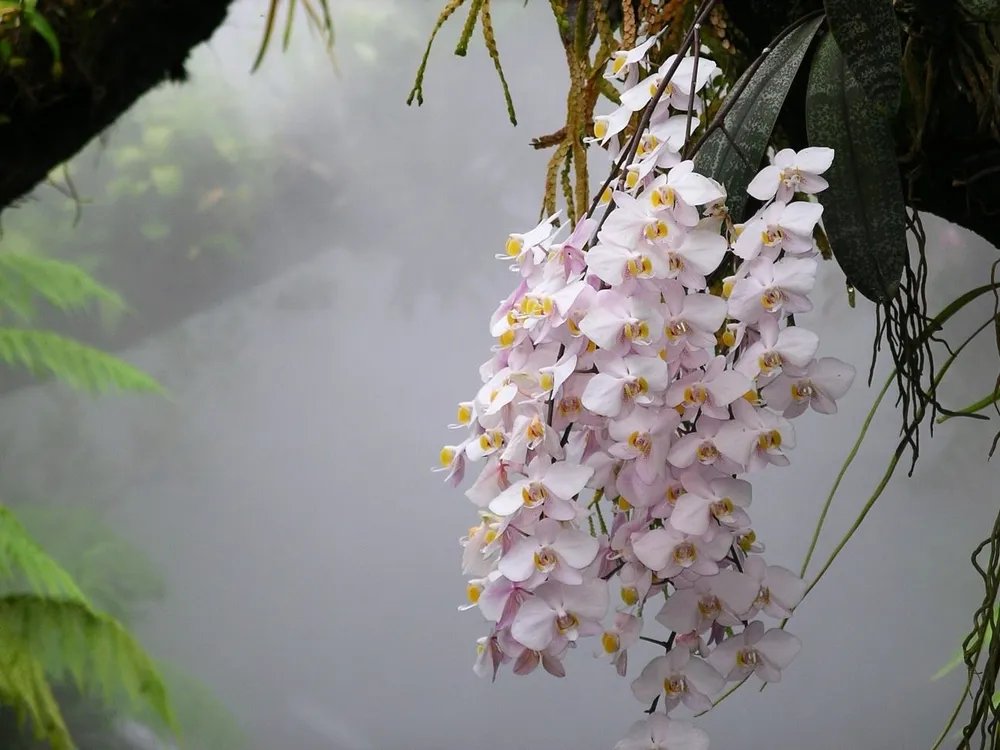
<point>646,366</point>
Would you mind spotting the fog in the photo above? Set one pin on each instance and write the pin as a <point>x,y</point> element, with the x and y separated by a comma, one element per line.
<point>310,558</point>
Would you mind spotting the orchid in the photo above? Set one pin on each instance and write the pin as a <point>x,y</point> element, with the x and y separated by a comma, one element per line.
<point>646,364</point>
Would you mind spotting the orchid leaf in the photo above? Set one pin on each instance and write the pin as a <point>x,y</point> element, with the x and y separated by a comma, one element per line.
<point>864,212</point>
<point>868,35</point>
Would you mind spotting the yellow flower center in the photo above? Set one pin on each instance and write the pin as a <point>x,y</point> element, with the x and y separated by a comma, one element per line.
<point>570,405</point>
<point>685,553</point>
<point>642,442</point>
<point>674,685</point>
<point>722,508</point>
<point>630,595</point>
<point>675,263</point>
<point>566,623</point>
<point>747,658</point>
<point>491,439</point>
<point>676,329</point>
<point>674,492</point>
<point>610,642</point>
<point>747,540</point>
<point>710,607</point>
<point>545,560</point>
<point>663,197</point>
<point>768,440</point>
<point>546,381</point>
<point>534,494</point>
<point>772,298</point>
<point>802,390</point>
<point>727,288</point>
<point>638,331</point>
<point>446,456</point>
<point>514,246</point>
<point>656,230</point>
<point>728,339</point>
<point>695,395</point>
<point>506,338</point>
<point>464,414</point>
<point>634,388</point>
<point>792,177</point>
<point>639,267</point>
<point>769,361</point>
<point>618,63</point>
<point>472,592</point>
<point>623,504</point>
<point>535,429</point>
<point>707,452</point>
<point>600,128</point>
<point>772,236</point>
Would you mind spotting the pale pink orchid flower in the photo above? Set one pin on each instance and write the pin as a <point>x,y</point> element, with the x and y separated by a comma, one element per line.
<point>661,144</point>
<point>559,611</point>
<point>569,406</point>
<point>558,551</point>
<point>773,288</point>
<point>658,732</point>
<point>620,325</point>
<point>772,435</point>
<point>678,92</point>
<point>637,223</point>
<point>680,677</point>
<point>680,191</point>
<point>551,486</point>
<point>791,173</point>
<point>637,492</point>
<point>709,392</point>
<point>527,660</point>
<point>616,263</point>
<point>478,556</point>
<point>714,443</point>
<point>755,651</point>
<point>567,257</point>
<point>719,598</point>
<point>531,433</point>
<point>501,597</point>
<point>643,438</point>
<point>623,382</point>
<point>489,656</point>
<point>779,226</point>
<point>818,386</point>
<point>625,63</point>
<point>608,126</point>
<point>667,551</point>
<point>526,246</point>
<point>698,255</point>
<point>636,582</point>
<point>691,320</point>
<point>792,345</point>
<point>616,641</point>
<point>706,499</point>
<point>779,589</point>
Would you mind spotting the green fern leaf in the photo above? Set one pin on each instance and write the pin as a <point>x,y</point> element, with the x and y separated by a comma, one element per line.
<point>22,558</point>
<point>80,366</point>
<point>69,639</point>
<point>25,277</point>
<point>25,688</point>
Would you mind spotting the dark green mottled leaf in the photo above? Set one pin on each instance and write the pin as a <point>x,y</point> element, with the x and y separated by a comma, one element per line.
<point>982,10</point>
<point>868,35</point>
<point>751,119</point>
<point>864,213</point>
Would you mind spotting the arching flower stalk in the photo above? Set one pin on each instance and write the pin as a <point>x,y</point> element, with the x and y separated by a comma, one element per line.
<point>645,367</point>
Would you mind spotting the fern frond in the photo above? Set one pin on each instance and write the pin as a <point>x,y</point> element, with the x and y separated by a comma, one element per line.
<point>71,640</point>
<point>78,365</point>
<point>25,688</point>
<point>22,558</point>
<point>25,277</point>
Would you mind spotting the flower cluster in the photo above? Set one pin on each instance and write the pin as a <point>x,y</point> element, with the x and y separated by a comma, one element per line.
<point>644,367</point>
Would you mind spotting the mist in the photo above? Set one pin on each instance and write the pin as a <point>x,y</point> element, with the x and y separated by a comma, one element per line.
<point>310,558</point>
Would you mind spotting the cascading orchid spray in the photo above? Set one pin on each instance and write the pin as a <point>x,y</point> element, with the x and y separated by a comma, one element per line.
<point>645,365</point>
